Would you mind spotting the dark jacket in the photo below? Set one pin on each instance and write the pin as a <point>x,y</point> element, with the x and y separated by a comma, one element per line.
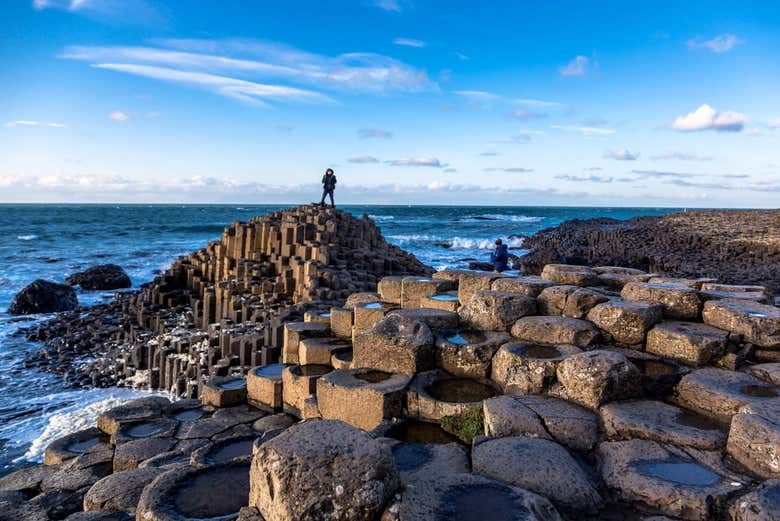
<point>329,182</point>
<point>500,258</point>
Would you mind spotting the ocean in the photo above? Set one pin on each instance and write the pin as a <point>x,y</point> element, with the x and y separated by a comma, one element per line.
<point>52,241</point>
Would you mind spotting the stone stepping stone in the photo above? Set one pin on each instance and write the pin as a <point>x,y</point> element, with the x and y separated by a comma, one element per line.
<point>538,465</point>
<point>626,322</point>
<point>398,344</point>
<point>679,301</point>
<point>528,368</point>
<point>184,493</point>
<point>531,285</point>
<point>495,310</point>
<point>81,471</point>
<point>362,398</point>
<point>720,393</point>
<point>120,491</point>
<point>594,378</point>
<point>763,504</point>
<point>142,409</point>
<point>389,288</point>
<point>569,274</point>
<point>131,454</point>
<point>468,353</point>
<point>157,428</point>
<point>736,288</point>
<point>658,421</point>
<point>417,461</point>
<point>569,301</point>
<point>757,323</point>
<point>314,351</point>
<point>341,322</point>
<point>687,342</point>
<point>557,330</point>
<point>447,301</point>
<point>264,387</point>
<point>432,395</point>
<point>414,289</point>
<point>648,474</point>
<point>437,320</point>
<point>469,497</point>
<point>617,277</point>
<point>754,438</point>
<point>72,445</point>
<point>322,466</point>
<point>224,391</point>
<point>294,332</point>
<point>27,480</point>
<point>693,283</point>
<point>367,315</point>
<point>472,282</point>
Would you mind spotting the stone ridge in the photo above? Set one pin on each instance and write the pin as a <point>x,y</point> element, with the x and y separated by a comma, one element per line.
<point>735,246</point>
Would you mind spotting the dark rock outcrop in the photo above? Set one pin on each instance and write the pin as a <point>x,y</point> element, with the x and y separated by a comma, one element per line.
<point>101,277</point>
<point>43,296</point>
<point>735,246</point>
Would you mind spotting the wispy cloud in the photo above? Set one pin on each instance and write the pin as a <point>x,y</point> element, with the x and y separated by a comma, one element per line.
<point>586,131</point>
<point>124,11</point>
<point>387,5</point>
<point>662,174</point>
<point>374,133</point>
<point>578,66</point>
<point>30,123</point>
<point>363,160</point>
<point>622,154</point>
<point>418,161</point>
<point>409,42</point>
<point>707,118</point>
<point>680,156</point>
<point>591,178</point>
<point>719,44</point>
<point>511,170</point>
<point>119,116</point>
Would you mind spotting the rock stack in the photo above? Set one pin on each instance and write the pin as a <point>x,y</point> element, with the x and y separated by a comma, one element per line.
<point>583,393</point>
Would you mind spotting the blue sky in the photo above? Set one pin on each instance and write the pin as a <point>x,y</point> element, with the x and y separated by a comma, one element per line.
<point>505,103</point>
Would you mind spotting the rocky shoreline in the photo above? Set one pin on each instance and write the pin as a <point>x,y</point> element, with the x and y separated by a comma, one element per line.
<point>329,376</point>
<point>734,246</point>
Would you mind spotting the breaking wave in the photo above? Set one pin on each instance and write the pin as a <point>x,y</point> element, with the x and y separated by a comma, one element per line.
<point>26,237</point>
<point>482,244</point>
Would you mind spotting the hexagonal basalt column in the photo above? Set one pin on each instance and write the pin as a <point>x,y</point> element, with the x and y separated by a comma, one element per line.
<point>687,342</point>
<point>389,288</point>
<point>224,391</point>
<point>720,393</point>
<point>468,353</point>
<point>570,274</point>
<point>361,397</point>
<point>341,322</point>
<point>318,351</point>
<point>596,377</point>
<point>397,344</point>
<point>299,382</point>
<point>433,395</point>
<point>757,323</point>
<point>447,301</point>
<point>264,387</point>
<point>754,438</point>
<point>496,310</point>
<point>526,368</point>
<point>72,445</point>
<point>531,285</point>
<point>369,314</point>
<point>436,319</point>
<point>414,289</point>
<point>679,301</point>
<point>294,332</point>
<point>557,330</point>
<point>472,282</point>
<point>625,322</point>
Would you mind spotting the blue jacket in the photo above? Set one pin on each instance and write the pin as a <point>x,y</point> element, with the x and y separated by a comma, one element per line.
<point>500,257</point>
<point>329,182</point>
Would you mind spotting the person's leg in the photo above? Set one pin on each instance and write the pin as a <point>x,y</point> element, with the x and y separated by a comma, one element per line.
<point>331,199</point>
<point>322,201</point>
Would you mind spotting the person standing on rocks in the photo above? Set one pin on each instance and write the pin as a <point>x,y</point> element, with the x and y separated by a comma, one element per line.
<point>500,257</point>
<point>328,186</point>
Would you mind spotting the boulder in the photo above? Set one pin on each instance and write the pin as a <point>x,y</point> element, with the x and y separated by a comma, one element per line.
<point>397,344</point>
<point>43,296</point>
<point>754,438</point>
<point>538,465</point>
<point>527,368</point>
<point>757,323</point>
<point>556,330</point>
<point>541,417</point>
<point>496,310</point>
<point>597,377</point>
<point>762,504</point>
<point>679,301</point>
<point>322,470</point>
<point>626,322</point>
<point>101,277</point>
<point>690,343</point>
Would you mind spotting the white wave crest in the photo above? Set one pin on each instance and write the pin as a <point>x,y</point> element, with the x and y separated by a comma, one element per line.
<point>381,218</point>
<point>26,237</point>
<point>505,217</point>
<point>460,243</point>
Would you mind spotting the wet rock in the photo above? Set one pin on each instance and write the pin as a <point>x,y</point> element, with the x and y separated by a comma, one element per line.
<point>236,447</point>
<point>687,342</point>
<point>658,421</point>
<point>155,428</point>
<point>541,417</point>
<point>397,344</point>
<point>679,301</point>
<point>141,409</point>
<point>432,395</point>
<point>362,398</point>
<point>496,310</point>
<point>626,322</point>
<point>527,368</point>
<point>597,377</point>
<point>120,491</point>
<point>468,353</point>
<point>43,296</point>
<point>71,445</point>
<point>226,391</point>
<point>274,422</point>
<point>323,470</point>
<point>101,277</point>
<point>754,438</point>
<point>757,323</point>
<point>763,504</point>
<point>720,393</point>
<point>647,473</point>
<point>416,461</point>
<point>538,465</point>
<point>465,497</point>
<point>556,330</point>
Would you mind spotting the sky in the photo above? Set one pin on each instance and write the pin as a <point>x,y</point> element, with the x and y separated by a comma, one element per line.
<point>567,103</point>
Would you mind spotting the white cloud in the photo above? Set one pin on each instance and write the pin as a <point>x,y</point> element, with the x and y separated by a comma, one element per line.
<point>681,156</point>
<point>587,178</point>
<point>511,170</point>
<point>576,67</point>
<point>622,154</point>
<point>374,133</point>
<point>242,90</point>
<point>363,160</point>
<point>387,5</point>
<point>719,44</point>
<point>409,42</point>
<point>586,131</point>
<point>539,103</point>
<point>30,123</point>
<point>119,116</point>
<point>707,118</point>
<point>418,161</point>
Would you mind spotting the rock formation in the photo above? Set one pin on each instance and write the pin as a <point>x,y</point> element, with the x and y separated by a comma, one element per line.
<point>101,277</point>
<point>43,296</point>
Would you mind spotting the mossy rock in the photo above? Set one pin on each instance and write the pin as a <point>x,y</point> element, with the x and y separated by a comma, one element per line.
<point>466,425</point>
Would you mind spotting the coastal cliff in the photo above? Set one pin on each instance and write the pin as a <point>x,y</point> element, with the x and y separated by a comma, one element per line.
<point>736,247</point>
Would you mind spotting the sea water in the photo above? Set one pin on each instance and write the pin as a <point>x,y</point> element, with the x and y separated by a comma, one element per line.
<point>54,241</point>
